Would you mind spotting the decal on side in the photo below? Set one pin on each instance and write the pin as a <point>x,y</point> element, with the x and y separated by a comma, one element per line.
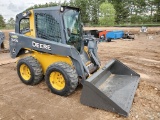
<point>14,38</point>
<point>41,46</point>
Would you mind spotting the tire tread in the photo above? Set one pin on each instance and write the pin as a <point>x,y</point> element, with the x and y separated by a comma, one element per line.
<point>73,77</point>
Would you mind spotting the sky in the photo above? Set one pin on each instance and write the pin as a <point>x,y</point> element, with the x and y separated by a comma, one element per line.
<point>9,8</point>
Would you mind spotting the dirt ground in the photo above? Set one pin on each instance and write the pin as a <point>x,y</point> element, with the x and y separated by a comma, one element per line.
<point>19,101</point>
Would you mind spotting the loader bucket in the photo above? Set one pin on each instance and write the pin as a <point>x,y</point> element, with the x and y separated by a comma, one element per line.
<point>111,88</point>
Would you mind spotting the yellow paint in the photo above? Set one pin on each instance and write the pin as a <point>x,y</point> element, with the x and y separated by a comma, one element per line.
<point>14,36</point>
<point>86,50</point>
<point>28,34</point>
<point>25,72</point>
<point>32,24</point>
<point>57,80</point>
<point>87,63</point>
<point>46,59</point>
<point>32,32</point>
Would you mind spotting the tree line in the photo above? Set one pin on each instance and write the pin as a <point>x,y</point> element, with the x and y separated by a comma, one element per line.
<point>123,11</point>
<point>108,12</point>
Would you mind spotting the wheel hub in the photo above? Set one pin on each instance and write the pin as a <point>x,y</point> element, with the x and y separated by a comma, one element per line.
<point>25,72</point>
<point>57,80</point>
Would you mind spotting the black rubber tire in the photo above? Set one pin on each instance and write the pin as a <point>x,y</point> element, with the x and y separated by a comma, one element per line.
<point>108,39</point>
<point>69,74</point>
<point>2,46</point>
<point>102,37</point>
<point>35,69</point>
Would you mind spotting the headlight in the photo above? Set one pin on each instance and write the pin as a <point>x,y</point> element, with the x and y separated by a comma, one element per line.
<point>62,9</point>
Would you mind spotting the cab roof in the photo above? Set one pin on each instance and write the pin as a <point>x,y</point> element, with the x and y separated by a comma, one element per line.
<point>57,8</point>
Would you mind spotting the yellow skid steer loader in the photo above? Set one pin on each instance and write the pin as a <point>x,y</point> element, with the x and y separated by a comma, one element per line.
<point>50,42</point>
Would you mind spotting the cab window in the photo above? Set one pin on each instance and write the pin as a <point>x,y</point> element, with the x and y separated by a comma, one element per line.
<point>24,26</point>
<point>47,27</point>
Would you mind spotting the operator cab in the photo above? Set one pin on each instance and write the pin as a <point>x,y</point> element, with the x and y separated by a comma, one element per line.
<point>60,24</point>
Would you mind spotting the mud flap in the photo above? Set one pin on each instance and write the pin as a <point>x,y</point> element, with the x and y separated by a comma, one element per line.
<point>111,88</point>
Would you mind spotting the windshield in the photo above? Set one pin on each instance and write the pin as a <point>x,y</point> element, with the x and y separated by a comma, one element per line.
<point>73,28</point>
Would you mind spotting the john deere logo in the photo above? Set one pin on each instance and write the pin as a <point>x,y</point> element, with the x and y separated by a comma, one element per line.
<point>14,36</point>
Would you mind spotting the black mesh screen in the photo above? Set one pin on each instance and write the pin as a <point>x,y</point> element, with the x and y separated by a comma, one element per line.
<point>47,27</point>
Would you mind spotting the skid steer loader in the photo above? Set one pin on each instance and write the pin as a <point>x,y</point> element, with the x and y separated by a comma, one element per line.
<point>49,43</point>
<point>2,37</point>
